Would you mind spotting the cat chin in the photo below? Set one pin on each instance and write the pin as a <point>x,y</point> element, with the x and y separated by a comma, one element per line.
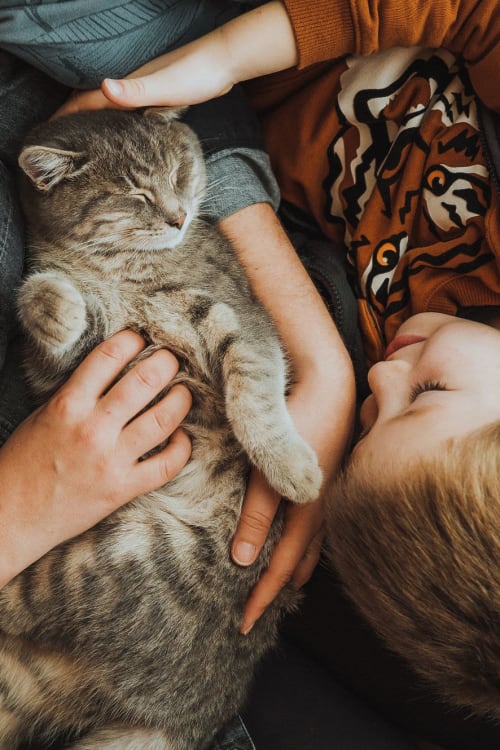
<point>157,244</point>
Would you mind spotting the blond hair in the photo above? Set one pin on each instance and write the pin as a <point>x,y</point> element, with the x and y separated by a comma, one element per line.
<point>420,557</point>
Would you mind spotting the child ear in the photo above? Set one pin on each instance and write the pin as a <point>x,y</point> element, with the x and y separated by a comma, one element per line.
<point>168,114</point>
<point>47,166</point>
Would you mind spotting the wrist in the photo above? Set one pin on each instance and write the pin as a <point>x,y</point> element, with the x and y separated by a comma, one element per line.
<point>25,533</point>
<point>259,42</point>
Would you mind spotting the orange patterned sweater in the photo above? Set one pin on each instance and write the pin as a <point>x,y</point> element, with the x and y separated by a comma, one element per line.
<point>378,136</point>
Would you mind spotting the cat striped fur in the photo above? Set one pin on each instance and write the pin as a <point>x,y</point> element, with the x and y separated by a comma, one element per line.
<point>127,636</point>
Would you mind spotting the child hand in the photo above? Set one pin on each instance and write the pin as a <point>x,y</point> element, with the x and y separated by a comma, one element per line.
<point>296,554</point>
<point>253,44</point>
<point>77,458</point>
<point>325,421</point>
<point>191,74</point>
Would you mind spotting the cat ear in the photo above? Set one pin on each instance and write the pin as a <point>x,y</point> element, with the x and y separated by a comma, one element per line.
<point>166,113</point>
<point>47,166</point>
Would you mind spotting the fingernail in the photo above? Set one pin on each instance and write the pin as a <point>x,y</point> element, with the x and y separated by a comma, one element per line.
<point>244,553</point>
<point>114,87</point>
<point>246,627</point>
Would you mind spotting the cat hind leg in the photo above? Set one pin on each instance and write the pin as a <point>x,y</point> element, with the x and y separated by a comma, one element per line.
<point>254,381</point>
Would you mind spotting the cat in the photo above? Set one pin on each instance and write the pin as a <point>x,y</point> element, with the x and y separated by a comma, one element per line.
<point>128,635</point>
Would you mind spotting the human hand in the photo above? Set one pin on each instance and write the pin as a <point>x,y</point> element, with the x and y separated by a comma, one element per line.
<point>83,450</point>
<point>188,75</point>
<point>297,553</point>
<point>253,44</point>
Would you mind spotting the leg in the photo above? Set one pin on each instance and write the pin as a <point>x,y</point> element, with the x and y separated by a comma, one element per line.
<point>295,704</point>
<point>253,372</point>
<point>11,257</point>
<point>26,96</point>
<point>79,44</point>
<point>53,312</point>
<point>15,402</point>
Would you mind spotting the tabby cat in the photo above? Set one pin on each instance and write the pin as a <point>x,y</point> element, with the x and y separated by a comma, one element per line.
<point>128,635</point>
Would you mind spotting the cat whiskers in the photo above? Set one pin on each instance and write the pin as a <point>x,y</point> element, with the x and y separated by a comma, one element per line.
<point>206,195</point>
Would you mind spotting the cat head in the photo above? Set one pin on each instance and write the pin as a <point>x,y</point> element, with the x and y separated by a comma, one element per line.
<point>112,177</point>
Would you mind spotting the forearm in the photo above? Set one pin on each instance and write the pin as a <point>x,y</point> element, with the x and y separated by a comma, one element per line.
<point>254,44</point>
<point>313,343</point>
<point>282,284</point>
<point>259,42</point>
<point>321,400</point>
<point>21,543</point>
<point>29,515</point>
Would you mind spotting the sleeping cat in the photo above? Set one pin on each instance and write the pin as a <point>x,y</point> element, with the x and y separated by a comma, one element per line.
<point>128,636</point>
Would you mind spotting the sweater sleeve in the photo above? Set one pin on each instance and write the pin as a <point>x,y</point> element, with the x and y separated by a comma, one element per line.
<point>328,29</point>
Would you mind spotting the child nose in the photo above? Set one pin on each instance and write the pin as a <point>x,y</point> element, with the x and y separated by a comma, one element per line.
<point>387,379</point>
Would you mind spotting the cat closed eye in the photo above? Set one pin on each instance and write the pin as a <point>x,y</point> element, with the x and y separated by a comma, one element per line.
<point>172,178</point>
<point>144,195</point>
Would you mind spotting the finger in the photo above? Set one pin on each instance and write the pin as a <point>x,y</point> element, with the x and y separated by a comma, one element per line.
<point>83,101</point>
<point>259,508</point>
<point>307,565</point>
<point>159,422</point>
<point>103,365</point>
<point>270,584</point>
<point>301,527</point>
<point>156,471</point>
<point>143,91</point>
<point>138,387</point>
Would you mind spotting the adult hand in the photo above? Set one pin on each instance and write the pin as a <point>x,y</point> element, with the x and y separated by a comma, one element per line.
<point>83,450</point>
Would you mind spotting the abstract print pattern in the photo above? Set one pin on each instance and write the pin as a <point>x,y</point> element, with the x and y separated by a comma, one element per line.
<point>407,181</point>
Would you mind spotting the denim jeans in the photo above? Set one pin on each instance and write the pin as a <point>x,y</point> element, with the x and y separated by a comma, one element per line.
<point>233,737</point>
<point>26,96</point>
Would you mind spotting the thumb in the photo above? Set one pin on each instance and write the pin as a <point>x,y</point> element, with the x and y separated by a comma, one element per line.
<point>145,91</point>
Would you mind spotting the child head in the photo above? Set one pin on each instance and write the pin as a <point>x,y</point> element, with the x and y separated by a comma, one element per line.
<point>414,525</point>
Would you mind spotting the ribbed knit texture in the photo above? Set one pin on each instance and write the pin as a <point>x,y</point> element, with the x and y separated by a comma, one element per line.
<point>328,29</point>
<point>323,30</point>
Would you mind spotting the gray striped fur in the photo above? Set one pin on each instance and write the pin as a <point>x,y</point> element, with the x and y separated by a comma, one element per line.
<point>128,635</point>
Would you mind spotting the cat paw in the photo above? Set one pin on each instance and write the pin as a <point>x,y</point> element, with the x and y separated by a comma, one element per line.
<point>295,472</point>
<point>52,311</point>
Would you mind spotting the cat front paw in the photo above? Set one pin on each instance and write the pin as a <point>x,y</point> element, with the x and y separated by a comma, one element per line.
<point>52,311</point>
<point>294,471</point>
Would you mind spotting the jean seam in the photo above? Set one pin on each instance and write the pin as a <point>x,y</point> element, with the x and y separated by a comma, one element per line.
<point>8,220</point>
<point>247,734</point>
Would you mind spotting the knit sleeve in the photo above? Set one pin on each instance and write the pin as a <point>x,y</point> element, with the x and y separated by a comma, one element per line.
<point>327,29</point>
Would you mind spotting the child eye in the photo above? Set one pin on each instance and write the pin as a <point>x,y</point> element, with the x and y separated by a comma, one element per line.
<point>428,385</point>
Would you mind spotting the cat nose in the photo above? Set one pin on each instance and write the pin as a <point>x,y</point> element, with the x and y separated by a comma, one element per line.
<point>178,221</point>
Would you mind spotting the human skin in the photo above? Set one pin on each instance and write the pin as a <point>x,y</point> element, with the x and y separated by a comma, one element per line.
<point>77,458</point>
<point>439,382</point>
